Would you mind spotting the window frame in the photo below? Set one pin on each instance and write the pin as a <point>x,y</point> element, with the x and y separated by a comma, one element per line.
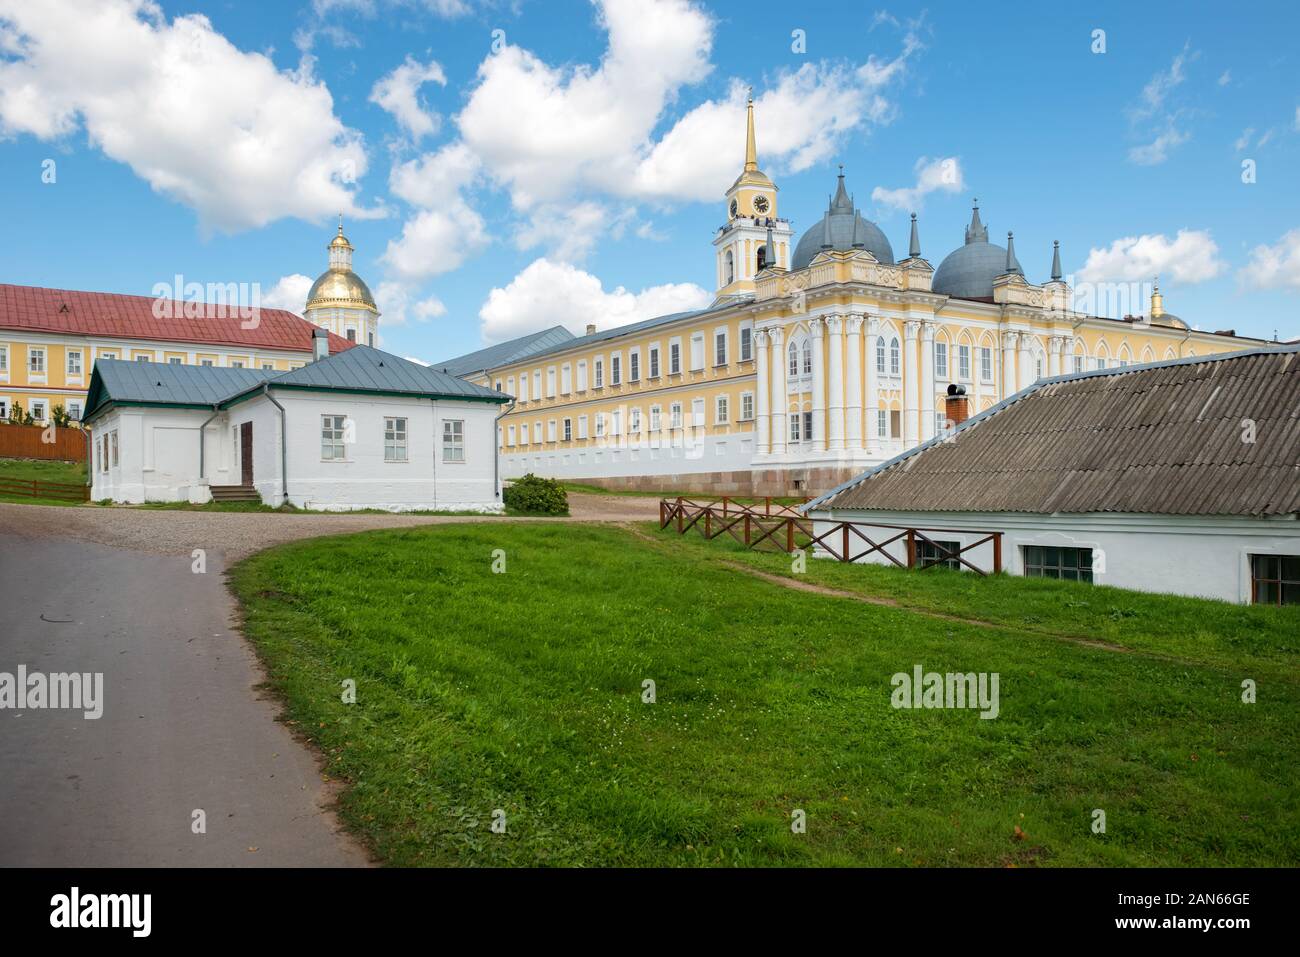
<point>457,443</point>
<point>1052,559</point>
<point>396,438</point>
<point>338,430</point>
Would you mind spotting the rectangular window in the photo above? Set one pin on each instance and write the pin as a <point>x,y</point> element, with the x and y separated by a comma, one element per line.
<point>582,375</point>
<point>4,408</point>
<point>600,425</point>
<point>523,434</point>
<point>568,430</point>
<point>103,454</point>
<point>634,421</point>
<point>352,335</point>
<point>1053,561</point>
<point>202,362</point>
<point>615,369</point>
<point>697,412</point>
<point>808,426</point>
<point>674,358</point>
<point>510,435</point>
<point>394,439</point>
<point>537,385</point>
<point>720,349</point>
<point>582,426</point>
<point>746,406</point>
<point>616,422</point>
<point>234,364</point>
<point>697,352</point>
<point>550,383</point>
<point>550,431</point>
<point>36,361</point>
<point>937,553</point>
<point>882,423</point>
<point>634,366</point>
<point>38,410</point>
<point>963,362</point>
<point>523,387</point>
<point>656,415</point>
<point>112,440</point>
<point>1275,579</point>
<point>796,430</point>
<point>331,438</point>
<point>537,433</point>
<point>268,366</point>
<point>74,411</point>
<point>894,358</point>
<point>675,416</point>
<point>598,374</point>
<point>4,359</point>
<point>986,364</point>
<point>74,362</point>
<point>895,423</point>
<point>566,379</point>
<point>176,360</point>
<point>654,362</point>
<point>453,440</point>
<point>746,343</point>
<point>941,360</point>
<point>720,410</point>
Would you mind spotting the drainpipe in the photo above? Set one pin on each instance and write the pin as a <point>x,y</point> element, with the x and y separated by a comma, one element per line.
<point>496,459</point>
<point>215,412</point>
<point>284,443</point>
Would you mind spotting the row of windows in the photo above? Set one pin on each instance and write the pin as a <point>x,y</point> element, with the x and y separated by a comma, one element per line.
<point>106,450</point>
<point>40,409</point>
<point>561,379</point>
<point>611,423</point>
<point>337,432</point>
<point>73,360</point>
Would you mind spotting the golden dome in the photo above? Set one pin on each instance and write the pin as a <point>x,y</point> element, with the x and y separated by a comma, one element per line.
<point>341,287</point>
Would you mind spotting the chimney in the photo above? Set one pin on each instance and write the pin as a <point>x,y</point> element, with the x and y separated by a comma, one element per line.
<point>956,406</point>
<point>591,328</point>
<point>320,344</point>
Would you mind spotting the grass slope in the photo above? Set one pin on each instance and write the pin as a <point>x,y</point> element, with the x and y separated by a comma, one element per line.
<point>26,470</point>
<point>523,691</point>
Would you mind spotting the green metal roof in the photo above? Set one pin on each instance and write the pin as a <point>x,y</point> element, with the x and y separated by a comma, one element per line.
<point>359,369</point>
<point>503,353</point>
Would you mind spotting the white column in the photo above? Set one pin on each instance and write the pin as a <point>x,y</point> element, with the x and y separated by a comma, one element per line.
<point>780,401</point>
<point>762,391</point>
<point>835,326</point>
<point>911,383</point>
<point>1054,347</point>
<point>1025,364</point>
<point>927,381</point>
<point>853,387</point>
<point>815,327</point>
<point>1009,340</point>
<point>873,387</point>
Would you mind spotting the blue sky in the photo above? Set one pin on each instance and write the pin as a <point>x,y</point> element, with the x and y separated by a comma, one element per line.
<point>570,167</point>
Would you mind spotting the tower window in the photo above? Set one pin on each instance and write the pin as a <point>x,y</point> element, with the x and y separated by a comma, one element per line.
<point>762,258</point>
<point>730,268</point>
<point>352,335</point>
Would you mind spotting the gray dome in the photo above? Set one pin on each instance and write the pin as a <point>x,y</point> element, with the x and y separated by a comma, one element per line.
<point>968,271</point>
<point>842,227</point>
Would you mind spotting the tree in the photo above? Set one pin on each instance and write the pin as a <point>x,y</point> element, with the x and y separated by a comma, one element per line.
<point>16,414</point>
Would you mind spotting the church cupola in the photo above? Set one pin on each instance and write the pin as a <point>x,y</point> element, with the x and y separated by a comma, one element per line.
<point>339,299</point>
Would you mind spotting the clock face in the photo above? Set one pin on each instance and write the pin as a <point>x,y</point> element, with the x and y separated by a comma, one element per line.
<point>761,204</point>
<point>735,208</point>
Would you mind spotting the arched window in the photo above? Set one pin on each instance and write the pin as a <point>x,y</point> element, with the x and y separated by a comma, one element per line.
<point>880,356</point>
<point>893,356</point>
<point>762,259</point>
<point>793,353</point>
<point>730,268</point>
<point>807,357</point>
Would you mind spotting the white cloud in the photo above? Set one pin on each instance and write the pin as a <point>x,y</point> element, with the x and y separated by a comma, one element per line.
<point>1274,267</point>
<point>1162,84</point>
<point>399,93</point>
<point>1190,257</point>
<point>937,175</point>
<point>548,293</point>
<point>568,232</point>
<point>436,241</point>
<point>214,127</point>
<point>1225,78</point>
<point>399,305</point>
<point>1157,151</point>
<point>289,292</point>
<point>435,179</point>
<point>1243,140</point>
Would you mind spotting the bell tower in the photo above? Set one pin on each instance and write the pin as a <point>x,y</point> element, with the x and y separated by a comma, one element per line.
<point>754,237</point>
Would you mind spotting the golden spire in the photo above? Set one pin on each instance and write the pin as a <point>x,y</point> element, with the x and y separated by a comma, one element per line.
<point>1157,301</point>
<point>751,152</point>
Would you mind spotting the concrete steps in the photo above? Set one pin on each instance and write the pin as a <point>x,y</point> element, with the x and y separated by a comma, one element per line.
<point>235,493</point>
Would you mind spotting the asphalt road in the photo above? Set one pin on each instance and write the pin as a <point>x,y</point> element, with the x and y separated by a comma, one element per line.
<point>183,726</point>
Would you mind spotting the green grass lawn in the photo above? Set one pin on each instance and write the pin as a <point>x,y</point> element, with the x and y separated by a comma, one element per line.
<point>693,496</point>
<point>522,692</point>
<point>26,470</point>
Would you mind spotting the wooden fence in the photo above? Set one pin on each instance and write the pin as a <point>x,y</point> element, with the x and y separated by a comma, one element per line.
<point>788,530</point>
<point>37,489</point>
<point>28,442</point>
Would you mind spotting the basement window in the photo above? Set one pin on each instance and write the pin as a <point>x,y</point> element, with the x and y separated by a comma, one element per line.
<point>937,553</point>
<point>1275,579</point>
<point>1052,561</point>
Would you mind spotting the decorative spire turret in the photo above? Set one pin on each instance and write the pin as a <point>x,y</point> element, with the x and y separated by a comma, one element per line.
<point>1157,301</point>
<point>976,232</point>
<point>842,200</point>
<point>1056,260</point>
<point>1013,265</point>
<point>914,247</point>
<point>751,150</point>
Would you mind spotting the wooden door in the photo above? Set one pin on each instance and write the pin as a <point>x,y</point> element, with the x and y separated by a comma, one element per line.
<point>246,453</point>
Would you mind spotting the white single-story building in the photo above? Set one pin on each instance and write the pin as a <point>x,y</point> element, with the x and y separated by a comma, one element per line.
<point>358,429</point>
<point>1179,477</point>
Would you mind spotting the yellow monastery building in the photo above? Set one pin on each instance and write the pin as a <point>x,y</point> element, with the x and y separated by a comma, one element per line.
<point>50,339</point>
<point>817,359</point>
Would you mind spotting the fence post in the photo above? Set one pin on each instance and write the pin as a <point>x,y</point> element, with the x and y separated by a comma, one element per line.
<point>680,530</point>
<point>708,523</point>
<point>789,534</point>
<point>997,553</point>
<point>911,548</point>
<point>845,529</point>
<point>767,505</point>
<point>724,506</point>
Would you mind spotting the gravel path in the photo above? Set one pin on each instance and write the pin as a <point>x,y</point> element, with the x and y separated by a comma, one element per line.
<point>235,535</point>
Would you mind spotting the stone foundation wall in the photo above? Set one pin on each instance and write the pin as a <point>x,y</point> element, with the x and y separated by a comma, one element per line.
<point>748,482</point>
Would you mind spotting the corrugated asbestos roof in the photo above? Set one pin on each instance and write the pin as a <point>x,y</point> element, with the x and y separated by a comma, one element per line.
<point>358,369</point>
<point>503,353</point>
<point>66,311</point>
<point>1167,438</point>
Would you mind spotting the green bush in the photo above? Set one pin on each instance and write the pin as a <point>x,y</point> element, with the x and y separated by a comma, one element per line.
<point>532,495</point>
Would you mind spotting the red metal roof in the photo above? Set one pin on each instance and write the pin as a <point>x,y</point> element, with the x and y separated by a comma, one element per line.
<point>68,312</point>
